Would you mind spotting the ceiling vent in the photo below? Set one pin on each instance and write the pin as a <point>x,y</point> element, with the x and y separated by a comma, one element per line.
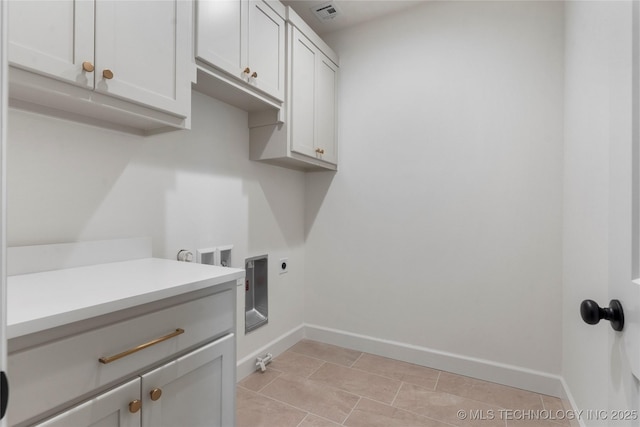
<point>325,11</point>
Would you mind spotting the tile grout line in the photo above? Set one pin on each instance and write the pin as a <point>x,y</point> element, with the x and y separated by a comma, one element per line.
<point>356,361</point>
<point>264,396</point>
<point>305,417</point>
<point>435,386</point>
<point>316,358</point>
<point>351,412</point>
<point>484,402</point>
<point>391,378</point>
<point>396,395</point>
<point>305,410</point>
<point>272,380</point>
<point>417,414</point>
<point>426,416</point>
<point>315,371</point>
<point>285,403</point>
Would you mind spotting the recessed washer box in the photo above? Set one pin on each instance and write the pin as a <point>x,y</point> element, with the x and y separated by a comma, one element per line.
<point>256,289</point>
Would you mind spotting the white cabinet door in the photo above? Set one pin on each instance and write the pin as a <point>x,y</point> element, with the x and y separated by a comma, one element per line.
<point>244,38</point>
<point>196,390</point>
<point>325,102</point>
<point>52,38</point>
<point>313,101</point>
<point>219,39</point>
<point>110,409</point>
<point>266,40</point>
<point>142,52</point>
<point>303,76</point>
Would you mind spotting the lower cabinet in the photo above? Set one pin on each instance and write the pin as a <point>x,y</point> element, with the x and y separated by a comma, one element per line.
<point>195,390</point>
<point>111,409</point>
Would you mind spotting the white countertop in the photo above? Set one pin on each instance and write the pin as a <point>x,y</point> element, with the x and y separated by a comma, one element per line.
<point>40,301</point>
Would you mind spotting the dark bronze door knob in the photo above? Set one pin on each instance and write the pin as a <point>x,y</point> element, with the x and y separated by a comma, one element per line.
<point>592,313</point>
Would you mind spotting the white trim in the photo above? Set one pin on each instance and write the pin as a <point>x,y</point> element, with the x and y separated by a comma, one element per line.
<point>570,403</point>
<point>509,375</point>
<point>513,376</point>
<point>247,365</point>
<point>3,189</point>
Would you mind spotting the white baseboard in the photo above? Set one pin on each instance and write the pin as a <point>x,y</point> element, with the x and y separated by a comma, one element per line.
<point>514,376</point>
<point>276,347</point>
<point>570,404</point>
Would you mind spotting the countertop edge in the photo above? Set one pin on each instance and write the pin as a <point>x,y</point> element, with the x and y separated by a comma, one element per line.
<point>39,324</point>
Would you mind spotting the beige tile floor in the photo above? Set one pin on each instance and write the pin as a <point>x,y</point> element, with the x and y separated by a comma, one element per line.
<point>320,385</point>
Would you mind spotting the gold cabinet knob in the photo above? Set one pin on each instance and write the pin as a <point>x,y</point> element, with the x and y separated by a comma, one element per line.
<point>134,406</point>
<point>254,75</point>
<point>247,70</point>
<point>319,151</point>
<point>107,74</point>
<point>87,66</point>
<point>155,394</point>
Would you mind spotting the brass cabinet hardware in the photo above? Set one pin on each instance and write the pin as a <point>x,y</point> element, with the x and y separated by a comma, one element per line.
<point>319,151</point>
<point>134,406</point>
<point>155,394</point>
<point>254,75</point>
<point>87,66</point>
<point>107,74</point>
<point>110,359</point>
<point>247,70</point>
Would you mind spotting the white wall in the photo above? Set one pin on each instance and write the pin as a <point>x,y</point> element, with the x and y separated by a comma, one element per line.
<point>186,189</point>
<point>598,99</point>
<point>442,228</point>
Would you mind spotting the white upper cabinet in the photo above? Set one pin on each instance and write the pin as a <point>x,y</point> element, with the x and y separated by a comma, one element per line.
<point>313,100</point>
<point>325,103</point>
<point>307,140</point>
<point>219,34</point>
<point>133,51</point>
<point>246,40</point>
<point>53,38</point>
<point>265,50</point>
<point>140,44</point>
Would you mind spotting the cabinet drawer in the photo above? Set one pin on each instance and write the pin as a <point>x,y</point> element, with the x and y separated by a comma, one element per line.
<point>55,373</point>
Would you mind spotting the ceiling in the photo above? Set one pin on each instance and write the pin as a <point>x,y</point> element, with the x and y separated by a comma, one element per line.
<point>350,12</point>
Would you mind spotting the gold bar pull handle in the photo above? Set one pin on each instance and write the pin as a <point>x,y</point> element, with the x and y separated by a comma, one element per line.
<point>110,359</point>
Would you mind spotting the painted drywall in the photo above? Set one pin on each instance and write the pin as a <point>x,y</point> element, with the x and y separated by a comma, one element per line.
<point>192,189</point>
<point>598,134</point>
<point>442,227</point>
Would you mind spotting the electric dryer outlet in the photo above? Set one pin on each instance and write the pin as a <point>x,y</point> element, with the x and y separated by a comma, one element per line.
<point>284,265</point>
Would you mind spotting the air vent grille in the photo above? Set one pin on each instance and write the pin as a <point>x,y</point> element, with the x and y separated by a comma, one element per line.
<point>325,11</point>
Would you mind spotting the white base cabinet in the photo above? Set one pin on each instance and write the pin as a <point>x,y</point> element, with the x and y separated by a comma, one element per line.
<point>195,390</point>
<point>180,352</point>
<point>110,409</point>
